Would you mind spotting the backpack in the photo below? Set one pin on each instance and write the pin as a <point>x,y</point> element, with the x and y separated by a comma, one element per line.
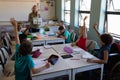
<point>115,48</point>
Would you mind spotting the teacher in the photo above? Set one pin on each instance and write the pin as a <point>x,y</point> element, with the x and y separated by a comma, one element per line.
<point>33,19</point>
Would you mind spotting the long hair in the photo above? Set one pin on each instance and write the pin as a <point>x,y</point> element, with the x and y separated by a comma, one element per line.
<point>25,48</point>
<point>35,13</point>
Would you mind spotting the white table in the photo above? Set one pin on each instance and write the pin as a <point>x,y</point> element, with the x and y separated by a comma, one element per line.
<point>79,65</point>
<point>45,39</point>
<point>38,42</point>
<point>59,69</point>
<point>54,39</point>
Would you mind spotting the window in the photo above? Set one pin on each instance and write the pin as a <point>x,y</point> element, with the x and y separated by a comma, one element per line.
<point>113,17</point>
<point>67,4</point>
<point>84,10</point>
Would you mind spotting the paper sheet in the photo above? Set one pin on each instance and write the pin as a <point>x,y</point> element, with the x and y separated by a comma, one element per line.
<point>87,55</point>
<point>47,46</point>
<point>39,63</point>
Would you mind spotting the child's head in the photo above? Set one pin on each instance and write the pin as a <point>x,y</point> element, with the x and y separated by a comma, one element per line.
<point>22,37</point>
<point>19,26</point>
<point>106,39</point>
<point>61,23</point>
<point>25,48</point>
<point>61,29</point>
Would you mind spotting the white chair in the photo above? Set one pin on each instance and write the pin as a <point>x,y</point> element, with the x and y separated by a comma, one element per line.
<point>9,38</point>
<point>7,43</point>
<point>7,64</point>
<point>91,45</point>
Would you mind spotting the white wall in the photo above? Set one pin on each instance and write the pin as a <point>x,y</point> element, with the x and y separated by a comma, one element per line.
<point>18,10</point>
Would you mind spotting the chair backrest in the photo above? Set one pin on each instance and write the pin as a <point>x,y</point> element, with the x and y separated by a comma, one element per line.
<point>7,64</point>
<point>8,37</point>
<point>73,36</point>
<point>91,45</point>
<point>4,55</point>
<point>7,43</point>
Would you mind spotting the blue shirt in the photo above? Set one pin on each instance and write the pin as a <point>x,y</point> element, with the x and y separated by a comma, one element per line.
<point>102,49</point>
<point>23,65</point>
<point>67,34</point>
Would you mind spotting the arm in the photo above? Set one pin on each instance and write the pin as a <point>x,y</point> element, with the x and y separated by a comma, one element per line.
<point>74,43</point>
<point>95,27</point>
<point>37,70</point>
<point>14,23</point>
<point>84,28</point>
<point>26,30</point>
<point>104,61</point>
<point>64,37</point>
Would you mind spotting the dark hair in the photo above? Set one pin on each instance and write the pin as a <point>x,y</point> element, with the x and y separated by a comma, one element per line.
<point>22,37</point>
<point>61,28</point>
<point>106,38</point>
<point>25,48</point>
<point>62,21</point>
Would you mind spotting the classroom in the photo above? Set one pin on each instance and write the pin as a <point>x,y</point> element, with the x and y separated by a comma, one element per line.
<point>59,40</point>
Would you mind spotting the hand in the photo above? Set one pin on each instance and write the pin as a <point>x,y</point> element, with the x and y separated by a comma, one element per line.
<point>85,18</point>
<point>95,25</point>
<point>13,22</point>
<point>73,44</point>
<point>89,60</point>
<point>28,26</point>
<point>47,65</point>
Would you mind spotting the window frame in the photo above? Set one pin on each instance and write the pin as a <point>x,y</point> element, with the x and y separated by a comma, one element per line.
<point>65,12</point>
<point>108,12</point>
<point>80,12</point>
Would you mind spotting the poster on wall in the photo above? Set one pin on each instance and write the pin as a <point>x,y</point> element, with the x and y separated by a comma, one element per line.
<point>47,9</point>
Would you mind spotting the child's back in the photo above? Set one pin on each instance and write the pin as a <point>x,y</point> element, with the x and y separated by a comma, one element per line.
<point>23,61</point>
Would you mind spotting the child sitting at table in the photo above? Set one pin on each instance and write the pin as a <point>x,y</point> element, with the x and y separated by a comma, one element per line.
<point>64,34</point>
<point>82,39</point>
<point>24,64</point>
<point>106,41</point>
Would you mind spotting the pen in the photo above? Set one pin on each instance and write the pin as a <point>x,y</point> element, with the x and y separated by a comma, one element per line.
<point>74,59</point>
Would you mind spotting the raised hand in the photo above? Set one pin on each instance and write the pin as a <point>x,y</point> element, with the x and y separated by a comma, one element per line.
<point>85,18</point>
<point>13,22</point>
<point>95,25</point>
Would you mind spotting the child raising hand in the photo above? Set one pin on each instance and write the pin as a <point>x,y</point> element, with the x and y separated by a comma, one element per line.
<point>81,41</point>
<point>24,64</point>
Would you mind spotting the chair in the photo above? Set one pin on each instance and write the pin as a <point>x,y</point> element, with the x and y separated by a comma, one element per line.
<point>73,37</point>
<point>91,45</point>
<point>7,43</point>
<point>5,62</point>
<point>9,38</point>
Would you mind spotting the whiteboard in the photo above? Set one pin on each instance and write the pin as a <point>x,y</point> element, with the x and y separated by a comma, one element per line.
<point>17,9</point>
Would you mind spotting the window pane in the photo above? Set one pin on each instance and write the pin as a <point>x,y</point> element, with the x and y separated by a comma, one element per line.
<point>113,24</point>
<point>85,5</point>
<point>113,5</point>
<point>81,17</point>
<point>67,4</point>
<point>67,16</point>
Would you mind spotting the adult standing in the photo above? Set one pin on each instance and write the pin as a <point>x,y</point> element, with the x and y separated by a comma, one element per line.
<point>33,19</point>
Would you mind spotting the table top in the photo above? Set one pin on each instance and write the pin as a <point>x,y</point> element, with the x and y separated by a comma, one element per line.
<point>59,66</point>
<point>79,56</point>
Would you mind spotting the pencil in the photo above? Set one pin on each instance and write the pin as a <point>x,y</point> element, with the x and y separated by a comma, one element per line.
<point>74,59</point>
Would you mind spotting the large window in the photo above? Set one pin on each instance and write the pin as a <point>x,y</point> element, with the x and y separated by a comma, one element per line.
<point>67,6</point>
<point>113,17</point>
<point>84,10</point>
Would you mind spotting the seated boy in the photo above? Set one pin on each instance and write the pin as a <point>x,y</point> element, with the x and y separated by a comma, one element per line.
<point>64,34</point>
